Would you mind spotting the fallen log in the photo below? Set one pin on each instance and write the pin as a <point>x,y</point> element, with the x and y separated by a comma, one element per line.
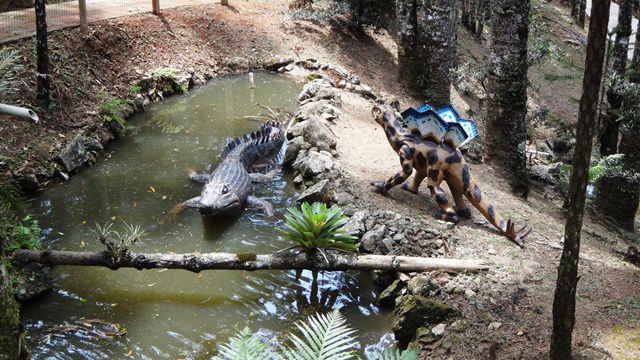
<point>228,261</point>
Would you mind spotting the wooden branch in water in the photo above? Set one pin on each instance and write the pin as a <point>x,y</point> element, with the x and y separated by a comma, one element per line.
<point>229,261</point>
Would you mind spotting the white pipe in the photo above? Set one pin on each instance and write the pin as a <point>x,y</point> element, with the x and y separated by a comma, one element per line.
<point>252,84</point>
<point>19,112</point>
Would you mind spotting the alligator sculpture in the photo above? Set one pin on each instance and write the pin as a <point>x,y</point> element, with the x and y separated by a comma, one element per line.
<point>438,162</point>
<point>227,190</point>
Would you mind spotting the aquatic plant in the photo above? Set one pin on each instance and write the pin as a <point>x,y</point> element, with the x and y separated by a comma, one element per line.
<point>118,243</point>
<point>316,227</point>
<point>321,337</point>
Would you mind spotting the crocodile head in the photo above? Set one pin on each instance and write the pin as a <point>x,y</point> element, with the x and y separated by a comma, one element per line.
<point>219,199</point>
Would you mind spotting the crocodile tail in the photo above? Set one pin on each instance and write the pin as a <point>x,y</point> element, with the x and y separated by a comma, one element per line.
<point>481,202</point>
<point>269,131</point>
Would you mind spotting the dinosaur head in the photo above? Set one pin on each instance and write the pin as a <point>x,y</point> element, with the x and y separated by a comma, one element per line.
<point>383,114</point>
<point>219,199</point>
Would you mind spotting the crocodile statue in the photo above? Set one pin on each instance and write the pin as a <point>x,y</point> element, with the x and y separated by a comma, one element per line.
<point>438,162</point>
<point>227,190</point>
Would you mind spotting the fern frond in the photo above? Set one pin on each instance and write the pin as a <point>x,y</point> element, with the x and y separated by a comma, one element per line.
<point>323,337</point>
<point>8,69</point>
<point>11,208</point>
<point>245,346</point>
<point>390,354</point>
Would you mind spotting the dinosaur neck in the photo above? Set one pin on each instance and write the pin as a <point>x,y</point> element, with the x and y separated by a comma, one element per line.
<point>395,139</point>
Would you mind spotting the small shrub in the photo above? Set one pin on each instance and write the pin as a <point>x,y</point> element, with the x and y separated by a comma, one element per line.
<point>316,227</point>
<point>24,235</point>
<point>112,110</point>
<point>135,90</point>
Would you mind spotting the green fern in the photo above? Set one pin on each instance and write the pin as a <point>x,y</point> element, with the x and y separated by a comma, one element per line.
<point>8,69</point>
<point>245,346</point>
<point>11,208</point>
<point>390,354</point>
<point>324,337</point>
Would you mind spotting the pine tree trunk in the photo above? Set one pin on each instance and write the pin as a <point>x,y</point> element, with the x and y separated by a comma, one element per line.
<point>12,345</point>
<point>611,127</point>
<point>44,82</point>
<point>473,8</point>
<point>582,13</point>
<point>437,42</point>
<point>506,107</point>
<point>634,75</point>
<point>409,64</point>
<point>575,9</point>
<point>564,303</point>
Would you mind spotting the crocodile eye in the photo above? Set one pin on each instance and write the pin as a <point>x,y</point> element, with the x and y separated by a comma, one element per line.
<point>225,189</point>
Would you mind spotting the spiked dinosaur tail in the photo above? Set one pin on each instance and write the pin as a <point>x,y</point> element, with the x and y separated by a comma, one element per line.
<point>479,201</point>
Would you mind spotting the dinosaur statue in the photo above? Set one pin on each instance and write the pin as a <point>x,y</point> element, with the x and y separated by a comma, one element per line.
<point>438,162</point>
<point>227,190</point>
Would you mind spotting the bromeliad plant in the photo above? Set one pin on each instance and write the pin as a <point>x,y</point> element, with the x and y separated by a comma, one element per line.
<point>316,227</point>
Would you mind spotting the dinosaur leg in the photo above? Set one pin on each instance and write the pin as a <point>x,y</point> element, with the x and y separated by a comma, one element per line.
<point>461,207</point>
<point>446,211</point>
<point>262,178</point>
<point>266,206</point>
<point>201,178</point>
<point>407,168</point>
<point>415,183</point>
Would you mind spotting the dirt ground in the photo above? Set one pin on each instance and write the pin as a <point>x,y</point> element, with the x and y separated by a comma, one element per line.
<point>518,290</point>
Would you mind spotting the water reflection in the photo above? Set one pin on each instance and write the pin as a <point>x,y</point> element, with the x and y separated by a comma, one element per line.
<point>177,314</point>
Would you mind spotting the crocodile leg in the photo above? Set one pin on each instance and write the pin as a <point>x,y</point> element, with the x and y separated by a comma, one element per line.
<point>192,203</point>
<point>266,206</point>
<point>262,178</point>
<point>201,178</point>
<point>406,154</point>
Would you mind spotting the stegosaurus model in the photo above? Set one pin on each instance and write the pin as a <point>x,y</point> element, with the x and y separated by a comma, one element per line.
<point>438,162</point>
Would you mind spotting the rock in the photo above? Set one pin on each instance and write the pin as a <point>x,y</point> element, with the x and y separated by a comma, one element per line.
<point>413,312</point>
<point>354,79</point>
<point>439,329</point>
<point>311,88</point>
<point>63,175</point>
<point>312,164</point>
<point>387,298</point>
<point>288,68</point>
<point>314,193</point>
<point>341,84</point>
<point>277,62</point>
<point>390,100</point>
<point>31,281</point>
<point>469,293</point>
<point>541,173</point>
<point>238,63</point>
<point>371,238</point>
<point>316,109</point>
<point>295,130</point>
<point>365,91</point>
<point>459,326</point>
<point>28,182</point>
<point>495,325</point>
<point>74,155</point>
<point>336,72</point>
<point>386,246</point>
<point>291,154</point>
<point>298,180</point>
<point>317,134</point>
<point>356,225</point>
<point>342,198</point>
<point>420,285</point>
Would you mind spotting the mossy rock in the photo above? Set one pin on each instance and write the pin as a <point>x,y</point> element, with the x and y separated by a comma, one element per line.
<point>414,312</point>
<point>387,299</point>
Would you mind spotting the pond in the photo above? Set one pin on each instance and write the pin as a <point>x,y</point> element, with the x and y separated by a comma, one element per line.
<point>170,314</point>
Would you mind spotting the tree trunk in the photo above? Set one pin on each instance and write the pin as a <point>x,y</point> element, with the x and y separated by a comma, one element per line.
<point>617,198</point>
<point>575,9</point>
<point>437,44</point>
<point>611,127</point>
<point>42,50</point>
<point>506,107</point>
<point>582,13</point>
<point>482,4</point>
<point>473,9</point>
<point>226,261</point>
<point>465,12</point>
<point>12,345</point>
<point>564,302</point>
<point>408,57</point>
<point>634,75</point>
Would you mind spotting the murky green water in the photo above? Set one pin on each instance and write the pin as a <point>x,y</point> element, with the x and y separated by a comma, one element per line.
<point>176,314</point>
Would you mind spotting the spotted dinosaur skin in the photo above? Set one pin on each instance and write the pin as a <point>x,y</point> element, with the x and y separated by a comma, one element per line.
<point>436,163</point>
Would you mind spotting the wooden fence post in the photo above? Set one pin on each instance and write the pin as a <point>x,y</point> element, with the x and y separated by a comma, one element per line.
<point>83,16</point>
<point>156,6</point>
